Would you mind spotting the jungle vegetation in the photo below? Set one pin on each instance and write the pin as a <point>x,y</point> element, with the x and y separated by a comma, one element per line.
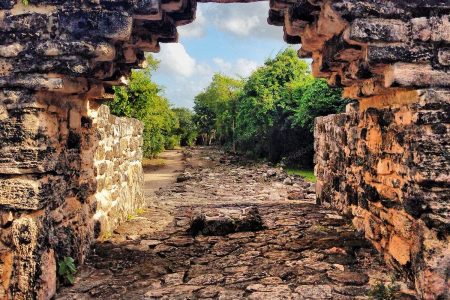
<point>164,127</point>
<point>268,115</point>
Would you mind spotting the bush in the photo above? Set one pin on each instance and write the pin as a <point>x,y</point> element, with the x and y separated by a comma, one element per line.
<point>271,113</point>
<point>141,99</point>
<point>187,129</point>
<point>172,142</point>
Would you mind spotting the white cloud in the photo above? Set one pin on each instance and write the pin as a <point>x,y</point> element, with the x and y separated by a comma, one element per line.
<point>241,67</point>
<point>195,29</point>
<point>242,19</point>
<point>183,86</point>
<point>245,67</point>
<point>238,25</point>
<point>175,60</point>
<point>223,65</point>
<point>186,74</point>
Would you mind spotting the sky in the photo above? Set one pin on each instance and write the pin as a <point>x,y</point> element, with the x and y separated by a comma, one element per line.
<point>233,39</point>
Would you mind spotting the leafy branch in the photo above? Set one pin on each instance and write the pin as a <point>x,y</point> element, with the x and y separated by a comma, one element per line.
<point>67,270</point>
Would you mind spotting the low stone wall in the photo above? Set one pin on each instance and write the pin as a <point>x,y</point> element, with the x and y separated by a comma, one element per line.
<point>386,162</point>
<point>118,166</point>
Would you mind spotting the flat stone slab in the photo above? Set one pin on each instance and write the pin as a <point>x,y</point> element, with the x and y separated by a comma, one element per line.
<point>226,222</point>
<point>303,251</point>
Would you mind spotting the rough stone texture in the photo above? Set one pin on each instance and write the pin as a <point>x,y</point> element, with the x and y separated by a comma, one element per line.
<point>58,57</point>
<point>386,162</point>
<point>228,221</point>
<point>119,170</point>
<point>46,189</point>
<point>306,251</point>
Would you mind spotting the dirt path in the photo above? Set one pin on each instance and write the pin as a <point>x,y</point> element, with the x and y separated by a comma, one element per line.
<point>304,251</point>
<point>154,179</point>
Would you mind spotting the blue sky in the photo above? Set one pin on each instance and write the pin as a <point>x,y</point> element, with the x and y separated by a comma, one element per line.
<point>233,39</point>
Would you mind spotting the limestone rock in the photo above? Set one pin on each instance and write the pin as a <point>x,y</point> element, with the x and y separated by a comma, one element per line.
<point>246,220</point>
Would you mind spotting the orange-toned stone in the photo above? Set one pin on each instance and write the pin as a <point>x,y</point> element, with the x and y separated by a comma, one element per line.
<point>399,249</point>
<point>47,288</point>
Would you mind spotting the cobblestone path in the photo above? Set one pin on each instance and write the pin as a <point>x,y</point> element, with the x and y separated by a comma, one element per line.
<point>304,252</point>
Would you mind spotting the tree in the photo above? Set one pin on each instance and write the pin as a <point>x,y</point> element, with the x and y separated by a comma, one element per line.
<point>265,100</point>
<point>187,130</point>
<point>271,113</point>
<point>141,99</point>
<point>215,108</point>
<point>315,99</point>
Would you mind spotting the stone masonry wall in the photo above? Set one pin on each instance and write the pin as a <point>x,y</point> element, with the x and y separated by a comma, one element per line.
<point>120,177</point>
<point>46,189</point>
<point>59,57</point>
<point>386,163</point>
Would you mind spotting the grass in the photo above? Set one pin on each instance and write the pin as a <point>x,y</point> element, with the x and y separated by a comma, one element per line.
<point>140,211</point>
<point>307,174</point>
<point>153,162</point>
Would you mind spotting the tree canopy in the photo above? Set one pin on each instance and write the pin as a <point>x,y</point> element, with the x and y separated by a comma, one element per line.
<point>271,113</point>
<point>142,100</point>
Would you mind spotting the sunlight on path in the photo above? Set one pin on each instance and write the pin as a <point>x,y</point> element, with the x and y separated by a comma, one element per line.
<point>165,174</point>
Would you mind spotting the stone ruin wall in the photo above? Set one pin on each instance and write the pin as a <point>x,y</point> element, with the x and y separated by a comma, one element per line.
<point>118,166</point>
<point>387,166</point>
<point>386,160</point>
<point>58,58</point>
<point>46,189</point>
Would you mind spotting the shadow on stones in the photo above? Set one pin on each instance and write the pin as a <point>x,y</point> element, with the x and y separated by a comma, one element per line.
<point>248,219</point>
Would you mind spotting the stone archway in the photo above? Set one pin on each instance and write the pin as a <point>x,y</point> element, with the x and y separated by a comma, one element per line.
<point>385,161</point>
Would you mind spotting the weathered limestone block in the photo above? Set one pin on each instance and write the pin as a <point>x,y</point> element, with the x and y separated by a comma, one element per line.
<point>55,58</point>
<point>31,192</point>
<point>120,174</point>
<point>25,233</point>
<point>385,161</point>
<point>385,30</point>
<point>418,75</point>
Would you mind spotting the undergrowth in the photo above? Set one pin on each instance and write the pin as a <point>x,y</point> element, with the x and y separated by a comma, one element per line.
<point>308,175</point>
<point>381,291</point>
<point>67,270</point>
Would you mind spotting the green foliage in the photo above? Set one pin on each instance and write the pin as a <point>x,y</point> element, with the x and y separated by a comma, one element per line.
<point>187,130</point>
<point>315,99</point>
<point>215,108</point>
<point>265,103</point>
<point>271,113</point>
<point>25,2</point>
<point>67,270</point>
<point>141,99</point>
<point>380,291</point>
<point>171,142</point>
<point>140,211</point>
<point>307,174</point>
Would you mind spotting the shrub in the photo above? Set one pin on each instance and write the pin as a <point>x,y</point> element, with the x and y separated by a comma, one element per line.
<point>67,270</point>
<point>172,142</point>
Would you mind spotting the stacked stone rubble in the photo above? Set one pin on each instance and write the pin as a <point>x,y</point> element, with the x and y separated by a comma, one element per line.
<point>119,170</point>
<point>386,160</point>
